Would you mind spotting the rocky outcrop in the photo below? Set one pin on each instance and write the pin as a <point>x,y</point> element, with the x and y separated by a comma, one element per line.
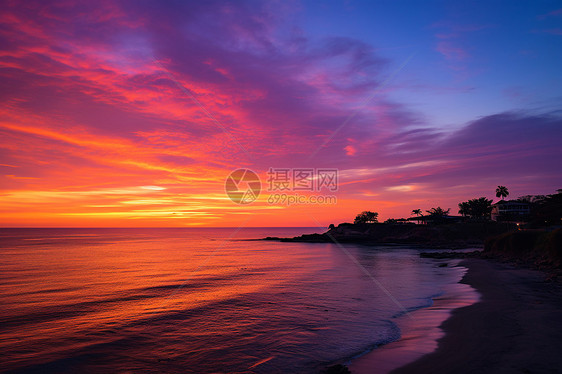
<point>458,235</point>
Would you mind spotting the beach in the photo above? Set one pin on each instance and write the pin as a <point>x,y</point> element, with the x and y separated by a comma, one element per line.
<point>516,327</point>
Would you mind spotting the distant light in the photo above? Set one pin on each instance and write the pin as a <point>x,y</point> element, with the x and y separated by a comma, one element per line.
<point>154,188</point>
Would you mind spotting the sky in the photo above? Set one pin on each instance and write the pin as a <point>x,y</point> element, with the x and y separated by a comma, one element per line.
<point>134,113</point>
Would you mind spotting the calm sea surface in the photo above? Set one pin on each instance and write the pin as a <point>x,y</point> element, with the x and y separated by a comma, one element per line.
<point>199,300</point>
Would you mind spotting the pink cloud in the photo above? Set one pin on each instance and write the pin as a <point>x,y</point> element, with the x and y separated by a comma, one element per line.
<point>451,51</point>
<point>350,150</point>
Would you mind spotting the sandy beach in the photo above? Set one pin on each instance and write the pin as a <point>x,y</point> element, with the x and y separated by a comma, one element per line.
<point>516,327</point>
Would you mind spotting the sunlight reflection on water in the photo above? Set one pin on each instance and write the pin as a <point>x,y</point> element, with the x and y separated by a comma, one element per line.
<point>89,300</point>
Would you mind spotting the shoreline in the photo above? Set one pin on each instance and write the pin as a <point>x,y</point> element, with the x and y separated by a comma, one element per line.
<point>515,327</point>
<point>420,331</point>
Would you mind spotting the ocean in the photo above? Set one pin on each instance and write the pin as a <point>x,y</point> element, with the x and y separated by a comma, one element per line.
<point>201,300</point>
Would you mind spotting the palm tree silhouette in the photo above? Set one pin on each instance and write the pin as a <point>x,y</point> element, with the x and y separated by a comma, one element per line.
<point>438,212</point>
<point>417,212</point>
<point>464,208</point>
<point>502,192</point>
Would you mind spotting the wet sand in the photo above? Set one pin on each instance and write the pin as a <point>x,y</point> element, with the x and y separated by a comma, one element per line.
<point>515,328</point>
<point>420,331</point>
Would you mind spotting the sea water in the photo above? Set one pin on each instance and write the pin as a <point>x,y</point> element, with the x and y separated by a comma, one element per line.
<point>184,300</point>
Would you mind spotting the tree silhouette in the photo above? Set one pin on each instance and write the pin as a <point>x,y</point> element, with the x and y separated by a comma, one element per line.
<point>476,208</point>
<point>366,217</point>
<point>417,212</point>
<point>548,211</point>
<point>502,192</point>
<point>464,209</point>
<point>438,212</point>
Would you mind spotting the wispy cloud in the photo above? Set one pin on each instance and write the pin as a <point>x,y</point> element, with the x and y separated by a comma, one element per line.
<point>451,52</point>
<point>87,111</point>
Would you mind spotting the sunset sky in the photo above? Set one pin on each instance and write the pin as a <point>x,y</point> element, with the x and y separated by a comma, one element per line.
<point>134,113</point>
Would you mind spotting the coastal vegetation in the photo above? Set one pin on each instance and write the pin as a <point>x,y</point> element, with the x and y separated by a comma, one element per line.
<point>541,211</point>
<point>502,192</point>
<point>438,212</point>
<point>366,217</point>
<point>545,210</point>
<point>473,228</point>
<point>476,208</point>
<point>541,248</point>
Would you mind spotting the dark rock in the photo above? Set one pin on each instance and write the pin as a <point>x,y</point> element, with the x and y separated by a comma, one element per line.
<point>441,255</point>
<point>272,238</point>
<point>452,236</point>
<point>337,369</point>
